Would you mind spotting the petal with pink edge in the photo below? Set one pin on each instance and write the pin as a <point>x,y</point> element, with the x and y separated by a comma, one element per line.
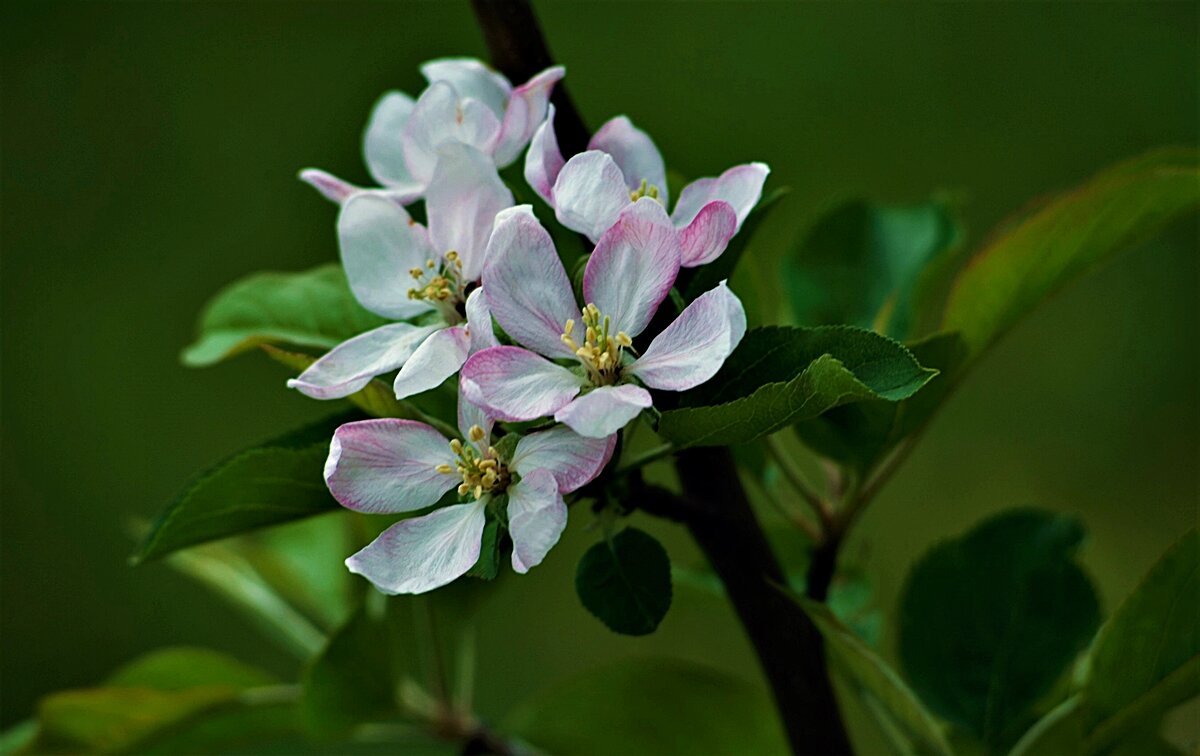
<point>692,349</point>
<point>470,78</point>
<point>388,465</point>
<point>537,516</point>
<point>572,459</point>
<point>440,116</point>
<point>479,322</point>
<point>418,555</point>
<point>604,411</point>
<point>380,244</point>
<point>462,201</point>
<point>635,154</point>
<point>526,111</point>
<point>383,142</point>
<point>352,364</point>
<point>514,384</point>
<point>634,266</point>
<point>526,286</point>
<point>740,186</point>
<point>544,159</point>
<point>590,193</point>
<point>439,357</point>
<point>336,190</point>
<point>705,238</point>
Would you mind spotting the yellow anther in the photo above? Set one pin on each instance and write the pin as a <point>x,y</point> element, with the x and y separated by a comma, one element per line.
<point>476,433</point>
<point>456,446</point>
<point>623,339</point>
<point>430,264</point>
<point>478,492</point>
<point>569,327</point>
<point>488,464</point>
<point>463,488</point>
<point>451,255</point>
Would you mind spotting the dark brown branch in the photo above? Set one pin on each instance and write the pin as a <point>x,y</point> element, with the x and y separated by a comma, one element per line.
<point>518,50</point>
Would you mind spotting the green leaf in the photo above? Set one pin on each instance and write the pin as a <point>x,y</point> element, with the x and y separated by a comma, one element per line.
<point>651,706</point>
<point>861,263</point>
<point>1146,658</point>
<point>989,621</point>
<point>626,582</point>
<point>184,667</point>
<point>1067,236</point>
<point>352,680</point>
<point>313,308</point>
<point>779,375</point>
<point>269,484</point>
<point>877,684</point>
<point>487,567</point>
<point>707,276</point>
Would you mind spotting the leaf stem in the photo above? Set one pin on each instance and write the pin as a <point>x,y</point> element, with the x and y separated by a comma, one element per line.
<point>799,481</point>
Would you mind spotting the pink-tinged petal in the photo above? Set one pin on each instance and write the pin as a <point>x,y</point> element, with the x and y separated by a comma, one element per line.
<point>388,465</point>
<point>439,357</point>
<point>692,349</point>
<point>604,411</point>
<point>380,244</point>
<point>352,364</point>
<point>526,110</point>
<point>705,238</point>
<point>526,286</point>
<point>572,459</point>
<point>634,266</point>
<point>470,78</point>
<point>479,322</point>
<point>470,414</point>
<point>537,517</point>
<point>544,159</point>
<point>440,116</point>
<point>336,190</point>
<point>590,193</point>
<point>418,555</point>
<point>383,143</point>
<point>515,384</point>
<point>740,186</point>
<point>635,153</point>
<point>462,201</point>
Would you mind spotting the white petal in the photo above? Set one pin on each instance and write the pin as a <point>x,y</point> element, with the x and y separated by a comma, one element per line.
<point>470,78</point>
<point>544,159</point>
<point>470,414</point>
<point>635,153</point>
<point>526,286</point>
<point>352,364</point>
<point>440,116</point>
<point>439,357</point>
<point>740,186</point>
<point>572,459</point>
<point>479,322</point>
<point>335,189</point>
<point>634,266</point>
<point>515,384</point>
<point>462,201</point>
<point>388,465</point>
<point>692,349</point>
<point>383,142</point>
<point>590,193</point>
<point>605,410</point>
<point>526,110</point>
<point>537,516</point>
<point>418,555</point>
<point>380,244</point>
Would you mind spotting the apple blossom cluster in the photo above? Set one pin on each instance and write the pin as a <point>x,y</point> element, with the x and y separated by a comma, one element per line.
<point>480,291</point>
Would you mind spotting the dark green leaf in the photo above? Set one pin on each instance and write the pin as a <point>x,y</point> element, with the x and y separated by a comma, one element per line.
<point>314,308</point>
<point>187,667</point>
<point>877,684</point>
<point>352,680</point>
<point>779,375</point>
<point>989,621</point>
<point>861,264</point>
<point>1147,656</point>
<point>706,277</point>
<point>1067,236</point>
<point>651,706</point>
<point>626,582</point>
<point>487,567</point>
<point>269,484</point>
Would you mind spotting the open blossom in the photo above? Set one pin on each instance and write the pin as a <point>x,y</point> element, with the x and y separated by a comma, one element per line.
<point>465,102</point>
<point>400,270</point>
<point>621,165</point>
<point>388,466</point>
<point>628,275</point>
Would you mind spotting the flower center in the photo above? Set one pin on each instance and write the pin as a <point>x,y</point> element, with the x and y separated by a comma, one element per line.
<point>481,473</point>
<point>644,190</point>
<point>441,285</point>
<point>601,351</point>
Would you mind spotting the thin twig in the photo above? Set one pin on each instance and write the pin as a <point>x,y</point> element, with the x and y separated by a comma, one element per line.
<point>799,481</point>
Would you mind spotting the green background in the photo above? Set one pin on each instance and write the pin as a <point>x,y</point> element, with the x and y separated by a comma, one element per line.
<point>149,157</point>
